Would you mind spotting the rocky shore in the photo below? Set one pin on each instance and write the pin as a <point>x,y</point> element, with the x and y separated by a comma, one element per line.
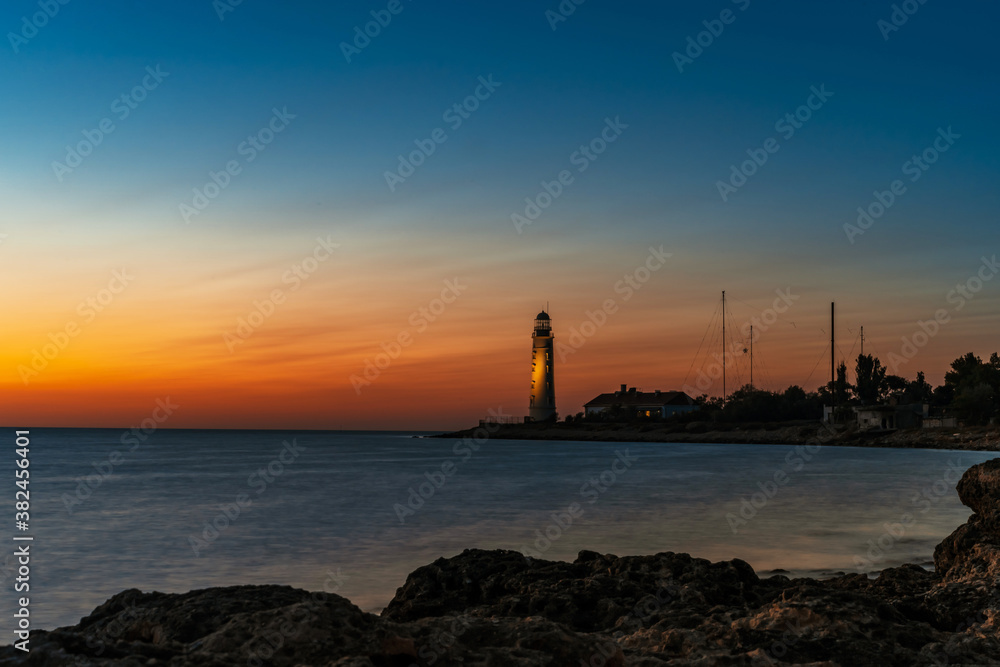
<point>781,433</point>
<point>498,608</point>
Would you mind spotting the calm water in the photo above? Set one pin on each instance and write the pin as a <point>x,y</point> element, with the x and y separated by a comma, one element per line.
<point>326,518</point>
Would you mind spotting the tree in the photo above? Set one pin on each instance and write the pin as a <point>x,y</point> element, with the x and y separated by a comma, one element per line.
<point>836,392</point>
<point>944,395</point>
<point>896,385</point>
<point>841,387</point>
<point>972,387</point>
<point>795,394</point>
<point>871,384</point>
<point>970,371</point>
<point>963,370</point>
<point>749,404</point>
<point>975,404</point>
<point>918,391</point>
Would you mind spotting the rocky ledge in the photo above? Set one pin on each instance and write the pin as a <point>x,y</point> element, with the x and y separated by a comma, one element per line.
<point>486,608</point>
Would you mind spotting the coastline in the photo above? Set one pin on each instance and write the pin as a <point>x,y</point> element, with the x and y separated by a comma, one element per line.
<point>500,607</point>
<point>794,433</point>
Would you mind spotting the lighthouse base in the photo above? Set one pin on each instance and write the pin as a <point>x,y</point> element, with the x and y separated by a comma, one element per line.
<point>542,414</point>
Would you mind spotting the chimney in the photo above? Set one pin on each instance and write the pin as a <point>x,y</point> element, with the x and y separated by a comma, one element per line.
<point>657,393</point>
<point>624,388</point>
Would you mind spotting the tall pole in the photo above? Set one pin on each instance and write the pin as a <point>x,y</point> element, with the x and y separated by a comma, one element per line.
<point>833,365</point>
<point>723,348</point>
<point>751,357</point>
<point>862,341</point>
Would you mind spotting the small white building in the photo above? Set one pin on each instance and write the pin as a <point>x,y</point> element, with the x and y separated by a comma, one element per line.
<point>876,418</point>
<point>889,417</point>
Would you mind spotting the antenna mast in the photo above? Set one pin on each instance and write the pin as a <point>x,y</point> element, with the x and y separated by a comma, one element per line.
<point>833,365</point>
<point>723,348</point>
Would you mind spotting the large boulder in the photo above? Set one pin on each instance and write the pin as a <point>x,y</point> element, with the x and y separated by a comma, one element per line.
<point>972,552</point>
<point>979,487</point>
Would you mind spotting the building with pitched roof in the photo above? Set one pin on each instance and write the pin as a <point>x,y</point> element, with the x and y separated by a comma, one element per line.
<point>633,403</point>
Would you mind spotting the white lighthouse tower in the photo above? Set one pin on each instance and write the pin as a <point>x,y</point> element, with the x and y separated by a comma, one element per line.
<point>542,405</point>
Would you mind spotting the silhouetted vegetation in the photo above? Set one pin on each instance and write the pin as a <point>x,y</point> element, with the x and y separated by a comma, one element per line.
<point>971,392</point>
<point>973,386</point>
<point>749,404</point>
<point>871,385</point>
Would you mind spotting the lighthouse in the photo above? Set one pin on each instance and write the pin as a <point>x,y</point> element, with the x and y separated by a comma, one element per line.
<point>542,405</point>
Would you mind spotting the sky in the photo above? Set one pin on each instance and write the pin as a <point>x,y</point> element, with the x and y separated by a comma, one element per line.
<point>347,215</point>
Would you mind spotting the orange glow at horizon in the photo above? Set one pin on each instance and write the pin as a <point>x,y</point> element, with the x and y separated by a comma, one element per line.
<point>241,341</point>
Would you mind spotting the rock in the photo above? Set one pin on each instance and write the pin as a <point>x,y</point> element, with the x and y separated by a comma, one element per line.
<point>282,626</point>
<point>596,593</point>
<point>485,608</point>
<point>244,625</point>
<point>979,487</point>
<point>972,552</point>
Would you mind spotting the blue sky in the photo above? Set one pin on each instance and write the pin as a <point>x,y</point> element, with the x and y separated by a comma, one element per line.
<point>558,86</point>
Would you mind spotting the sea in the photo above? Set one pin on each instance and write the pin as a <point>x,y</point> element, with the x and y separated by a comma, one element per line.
<point>353,513</point>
